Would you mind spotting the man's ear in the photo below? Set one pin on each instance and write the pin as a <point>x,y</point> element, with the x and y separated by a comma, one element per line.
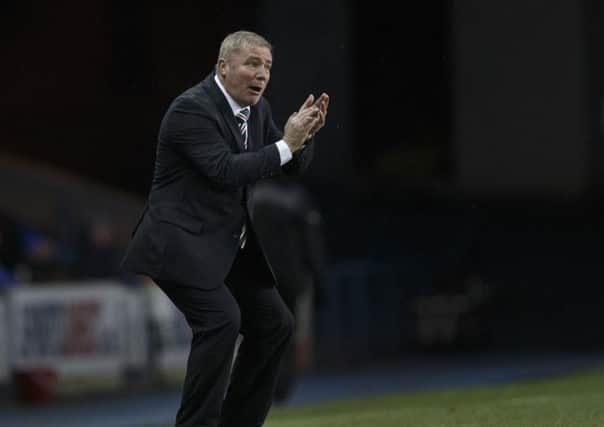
<point>221,66</point>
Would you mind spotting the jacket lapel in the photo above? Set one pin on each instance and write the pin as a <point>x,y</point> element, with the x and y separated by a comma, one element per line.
<point>225,110</point>
<point>252,129</point>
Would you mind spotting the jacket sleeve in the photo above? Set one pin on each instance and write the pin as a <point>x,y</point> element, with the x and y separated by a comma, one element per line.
<point>196,135</point>
<point>301,160</point>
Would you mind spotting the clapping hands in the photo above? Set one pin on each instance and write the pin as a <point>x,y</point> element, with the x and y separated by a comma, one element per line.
<point>306,122</point>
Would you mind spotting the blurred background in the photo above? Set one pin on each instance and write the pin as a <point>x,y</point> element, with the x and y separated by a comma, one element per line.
<point>456,191</point>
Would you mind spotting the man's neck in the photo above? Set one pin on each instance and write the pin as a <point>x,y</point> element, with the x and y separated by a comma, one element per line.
<point>232,103</point>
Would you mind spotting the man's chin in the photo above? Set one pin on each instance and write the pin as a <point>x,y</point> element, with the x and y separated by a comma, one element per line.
<point>253,100</point>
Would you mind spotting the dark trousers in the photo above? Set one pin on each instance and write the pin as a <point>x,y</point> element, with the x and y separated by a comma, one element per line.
<point>216,317</point>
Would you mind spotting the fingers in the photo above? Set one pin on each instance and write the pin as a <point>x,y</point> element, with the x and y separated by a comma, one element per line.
<point>321,118</point>
<point>322,102</point>
<point>309,101</point>
<point>325,103</point>
<point>319,123</point>
<point>303,113</point>
<point>318,112</point>
<point>308,115</point>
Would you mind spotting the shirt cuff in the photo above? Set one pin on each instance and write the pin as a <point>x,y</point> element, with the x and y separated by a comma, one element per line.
<point>284,152</point>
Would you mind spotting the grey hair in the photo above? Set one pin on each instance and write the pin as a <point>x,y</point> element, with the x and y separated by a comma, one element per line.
<point>239,40</point>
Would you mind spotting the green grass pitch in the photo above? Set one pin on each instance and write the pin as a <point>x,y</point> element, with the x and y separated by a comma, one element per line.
<point>569,401</point>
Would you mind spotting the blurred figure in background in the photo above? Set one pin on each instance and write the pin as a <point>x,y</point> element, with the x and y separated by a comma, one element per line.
<point>42,261</point>
<point>289,227</point>
<point>99,254</point>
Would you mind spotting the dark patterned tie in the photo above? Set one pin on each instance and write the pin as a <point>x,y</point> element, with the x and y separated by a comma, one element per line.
<point>242,116</point>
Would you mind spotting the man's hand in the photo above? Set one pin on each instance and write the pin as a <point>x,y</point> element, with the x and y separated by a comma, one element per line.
<point>301,122</point>
<point>321,103</point>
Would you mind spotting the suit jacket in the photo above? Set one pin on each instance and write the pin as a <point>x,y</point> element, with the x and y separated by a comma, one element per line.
<point>189,230</point>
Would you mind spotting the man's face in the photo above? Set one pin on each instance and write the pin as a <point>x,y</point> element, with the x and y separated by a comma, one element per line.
<point>246,73</point>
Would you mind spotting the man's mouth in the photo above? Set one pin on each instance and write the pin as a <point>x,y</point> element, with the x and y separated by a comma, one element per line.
<point>256,89</point>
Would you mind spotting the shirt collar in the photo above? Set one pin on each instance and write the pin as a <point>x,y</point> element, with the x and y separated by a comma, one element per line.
<point>232,103</point>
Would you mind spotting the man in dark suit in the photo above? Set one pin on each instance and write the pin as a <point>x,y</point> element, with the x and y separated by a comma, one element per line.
<point>196,238</point>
